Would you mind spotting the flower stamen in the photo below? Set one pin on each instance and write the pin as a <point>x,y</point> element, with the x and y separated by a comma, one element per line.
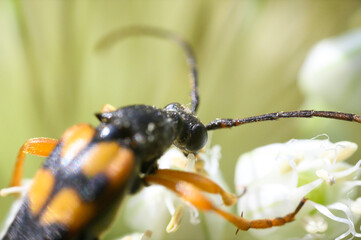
<point>176,219</point>
<point>326,176</point>
<point>12,191</point>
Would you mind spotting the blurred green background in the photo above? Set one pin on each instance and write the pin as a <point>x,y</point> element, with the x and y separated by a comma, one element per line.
<point>249,54</point>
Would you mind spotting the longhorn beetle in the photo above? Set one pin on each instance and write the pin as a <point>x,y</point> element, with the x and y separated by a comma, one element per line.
<point>89,170</point>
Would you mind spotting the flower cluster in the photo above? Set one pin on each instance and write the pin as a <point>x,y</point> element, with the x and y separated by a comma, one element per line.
<point>277,176</point>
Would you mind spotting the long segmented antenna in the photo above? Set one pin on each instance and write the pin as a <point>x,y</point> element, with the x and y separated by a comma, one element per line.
<point>120,34</point>
<point>228,123</point>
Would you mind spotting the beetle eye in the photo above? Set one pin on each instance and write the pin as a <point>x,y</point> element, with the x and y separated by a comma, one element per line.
<point>198,138</point>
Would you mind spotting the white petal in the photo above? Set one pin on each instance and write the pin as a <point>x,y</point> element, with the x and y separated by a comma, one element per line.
<point>267,201</point>
<point>338,206</point>
<point>173,158</point>
<point>356,206</point>
<point>349,171</point>
<point>307,188</point>
<point>149,204</point>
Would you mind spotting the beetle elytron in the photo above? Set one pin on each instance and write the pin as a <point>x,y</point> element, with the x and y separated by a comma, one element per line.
<point>89,170</point>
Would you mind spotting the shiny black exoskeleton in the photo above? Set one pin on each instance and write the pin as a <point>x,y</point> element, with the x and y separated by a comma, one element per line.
<point>150,131</point>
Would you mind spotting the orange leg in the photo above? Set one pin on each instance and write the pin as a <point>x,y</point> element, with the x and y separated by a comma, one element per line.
<point>37,146</point>
<point>191,192</point>
<point>203,183</point>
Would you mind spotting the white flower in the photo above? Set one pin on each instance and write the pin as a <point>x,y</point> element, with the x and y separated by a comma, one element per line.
<point>161,211</point>
<point>138,236</point>
<point>332,71</point>
<point>21,190</point>
<point>277,176</point>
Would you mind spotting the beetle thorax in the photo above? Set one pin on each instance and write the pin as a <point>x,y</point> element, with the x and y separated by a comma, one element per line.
<point>147,130</point>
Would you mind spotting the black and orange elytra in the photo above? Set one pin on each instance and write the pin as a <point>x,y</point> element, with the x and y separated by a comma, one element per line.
<point>89,170</point>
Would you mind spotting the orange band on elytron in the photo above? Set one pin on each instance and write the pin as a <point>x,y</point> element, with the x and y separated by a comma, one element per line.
<point>40,190</point>
<point>68,209</point>
<point>75,139</point>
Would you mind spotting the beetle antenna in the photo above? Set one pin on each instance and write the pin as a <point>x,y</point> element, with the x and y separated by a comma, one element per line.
<point>228,123</point>
<point>111,38</point>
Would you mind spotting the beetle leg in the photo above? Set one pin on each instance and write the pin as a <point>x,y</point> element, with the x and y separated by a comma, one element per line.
<point>36,146</point>
<point>202,182</point>
<point>108,108</point>
<point>192,194</point>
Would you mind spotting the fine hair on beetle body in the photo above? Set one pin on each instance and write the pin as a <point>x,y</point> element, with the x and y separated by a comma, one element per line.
<point>89,170</point>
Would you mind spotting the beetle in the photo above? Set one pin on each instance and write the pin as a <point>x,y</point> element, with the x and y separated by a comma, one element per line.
<point>89,169</point>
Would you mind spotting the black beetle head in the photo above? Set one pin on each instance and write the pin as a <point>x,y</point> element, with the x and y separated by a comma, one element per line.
<point>192,133</point>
